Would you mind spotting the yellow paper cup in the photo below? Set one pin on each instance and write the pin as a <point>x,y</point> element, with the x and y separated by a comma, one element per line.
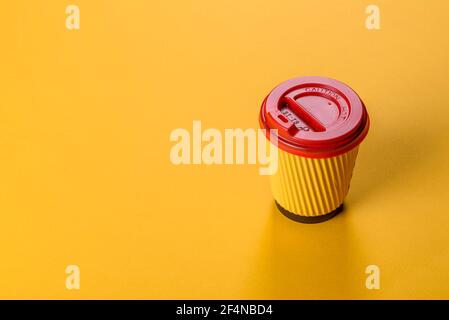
<point>319,125</point>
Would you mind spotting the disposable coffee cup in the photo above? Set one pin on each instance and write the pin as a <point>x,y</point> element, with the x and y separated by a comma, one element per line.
<point>320,124</point>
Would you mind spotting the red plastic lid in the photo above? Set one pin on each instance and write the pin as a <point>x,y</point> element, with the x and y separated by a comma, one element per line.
<point>315,117</point>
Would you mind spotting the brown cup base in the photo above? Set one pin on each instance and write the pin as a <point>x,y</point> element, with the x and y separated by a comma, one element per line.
<point>309,220</point>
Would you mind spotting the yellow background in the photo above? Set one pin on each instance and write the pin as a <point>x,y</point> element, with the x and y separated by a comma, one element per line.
<point>85,175</point>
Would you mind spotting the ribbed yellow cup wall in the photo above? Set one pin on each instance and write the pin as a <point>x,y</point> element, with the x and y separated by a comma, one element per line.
<point>312,187</point>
